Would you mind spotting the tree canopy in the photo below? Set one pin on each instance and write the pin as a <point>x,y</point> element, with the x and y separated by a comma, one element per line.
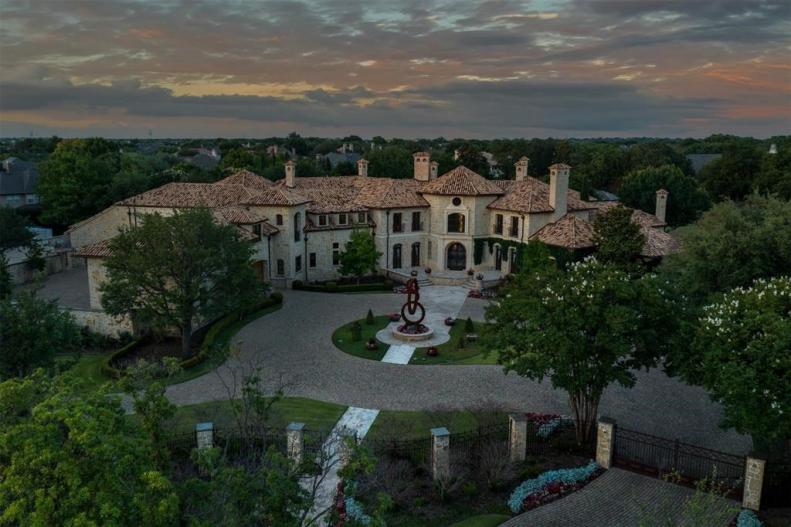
<point>13,229</point>
<point>360,255</point>
<point>171,270</point>
<point>618,240</point>
<point>584,329</point>
<point>685,203</point>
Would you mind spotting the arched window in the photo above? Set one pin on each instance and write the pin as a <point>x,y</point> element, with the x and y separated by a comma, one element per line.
<point>416,254</point>
<point>456,222</point>
<point>397,256</point>
<point>297,227</point>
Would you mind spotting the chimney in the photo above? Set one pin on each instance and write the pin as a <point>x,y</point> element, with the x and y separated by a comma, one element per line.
<point>456,154</point>
<point>521,168</point>
<point>434,169</point>
<point>661,204</point>
<point>362,167</point>
<point>422,161</point>
<point>558,188</point>
<point>291,174</point>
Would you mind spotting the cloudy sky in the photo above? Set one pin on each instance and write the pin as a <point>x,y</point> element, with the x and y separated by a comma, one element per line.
<point>423,68</point>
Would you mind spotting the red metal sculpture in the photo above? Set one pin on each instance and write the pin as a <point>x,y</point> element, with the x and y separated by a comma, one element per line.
<point>412,304</point>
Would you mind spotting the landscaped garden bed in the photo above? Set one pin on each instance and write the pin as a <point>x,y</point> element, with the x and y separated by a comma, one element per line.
<point>460,349</point>
<point>359,337</point>
<point>551,485</point>
<point>346,285</point>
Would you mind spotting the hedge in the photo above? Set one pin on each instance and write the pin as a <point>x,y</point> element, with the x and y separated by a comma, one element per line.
<point>207,346</point>
<point>333,287</point>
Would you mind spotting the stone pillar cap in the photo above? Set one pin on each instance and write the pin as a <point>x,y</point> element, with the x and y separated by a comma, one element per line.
<point>518,417</point>
<point>607,420</point>
<point>439,432</point>
<point>295,426</point>
<point>202,427</point>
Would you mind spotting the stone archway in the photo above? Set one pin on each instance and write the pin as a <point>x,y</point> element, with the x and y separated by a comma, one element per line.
<point>456,257</point>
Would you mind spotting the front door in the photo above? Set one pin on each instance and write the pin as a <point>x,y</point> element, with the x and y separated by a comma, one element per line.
<point>397,256</point>
<point>416,254</point>
<point>457,257</point>
<point>498,258</point>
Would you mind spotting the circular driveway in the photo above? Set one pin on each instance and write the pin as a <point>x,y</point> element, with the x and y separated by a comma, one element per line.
<point>293,347</point>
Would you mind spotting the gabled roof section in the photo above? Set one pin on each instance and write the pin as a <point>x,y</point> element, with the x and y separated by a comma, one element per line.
<point>569,231</point>
<point>95,250</point>
<point>531,196</point>
<point>246,179</point>
<point>461,181</point>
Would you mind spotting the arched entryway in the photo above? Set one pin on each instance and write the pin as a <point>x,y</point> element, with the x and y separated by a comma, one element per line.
<point>456,259</point>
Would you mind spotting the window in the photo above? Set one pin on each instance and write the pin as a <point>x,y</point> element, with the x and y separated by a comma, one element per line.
<point>397,256</point>
<point>342,220</point>
<point>279,219</point>
<point>416,225</point>
<point>456,202</point>
<point>456,222</point>
<point>322,220</point>
<point>336,254</point>
<point>13,200</point>
<point>498,224</point>
<point>257,230</point>
<point>298,263</point>
<point>297,227</point>
<point>361,217</point>
<point>281,267</point>
<point>397,225</point>
<point>514,226</point>
<point>31,199</point>
<point>312,260</point>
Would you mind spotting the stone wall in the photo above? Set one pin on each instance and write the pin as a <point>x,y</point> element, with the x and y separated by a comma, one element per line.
<point>102,323</point>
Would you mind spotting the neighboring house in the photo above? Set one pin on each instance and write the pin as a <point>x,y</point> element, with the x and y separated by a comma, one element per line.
<point>334,158</point>
<point>18,183</point>
<point>299,226</point>
<point>698,161</point>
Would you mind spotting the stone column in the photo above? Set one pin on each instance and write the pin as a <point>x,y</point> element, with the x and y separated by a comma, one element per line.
<point>345,441</point>
<point>753,483</point>
<point>605,442</point>
<point>517,437</point>
<point>204,435</point>
<point>295,445</point>
<point>440,453</point>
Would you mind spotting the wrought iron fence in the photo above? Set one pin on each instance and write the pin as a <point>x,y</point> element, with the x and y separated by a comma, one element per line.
<point>418,451</point>
<point>658,456</point>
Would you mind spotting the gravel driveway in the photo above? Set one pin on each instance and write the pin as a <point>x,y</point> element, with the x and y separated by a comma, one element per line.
<point>294,347</point>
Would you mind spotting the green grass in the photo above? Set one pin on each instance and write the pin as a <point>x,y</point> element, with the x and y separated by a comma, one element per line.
<point>450,353</point>
<point>87,367</point>
<point>316,415</point>
<point>342,338</point>
<point>484,520</point>
<point>414,425</point>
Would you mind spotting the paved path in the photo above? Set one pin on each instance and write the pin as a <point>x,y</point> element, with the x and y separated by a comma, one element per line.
<point>619,498</point>
<point>294,346</point>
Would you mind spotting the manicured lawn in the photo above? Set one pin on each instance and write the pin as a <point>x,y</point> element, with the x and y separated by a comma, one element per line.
<point>342,338</point>
<point>87,367</point>
<point>484,520</point>
<point>450,353</point>
<point>413,425</point>
<point>316,415</point>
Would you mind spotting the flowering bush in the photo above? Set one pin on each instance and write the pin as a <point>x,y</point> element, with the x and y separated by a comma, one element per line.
<point>354,511</point>
<point>550,484</point>
<point>748,518</point>
<point>546,423</point>
<point>411,329</point>
<point>394,317</point>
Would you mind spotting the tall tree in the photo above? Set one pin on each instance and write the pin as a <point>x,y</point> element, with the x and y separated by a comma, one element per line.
<point>32,330</point>
<point>13,229</point>
<point>470,156</point>
<point>171,270</point>
<point>740,354</point>
<point>71,458</point>
<point>75,181</point>
<point>733,175</point>
<point>732,245</point>
<point>584,329</point>
<point>360,255</point>
<point>685,204</point>
<point>390,161</point>
<point>618,239</point>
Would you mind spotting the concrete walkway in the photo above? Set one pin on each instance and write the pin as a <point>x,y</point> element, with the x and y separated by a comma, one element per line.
<point>619,498</point>
<point>294,345</point>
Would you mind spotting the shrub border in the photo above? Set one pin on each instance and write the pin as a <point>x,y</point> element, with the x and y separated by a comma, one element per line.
<point>208,340</point>
<point>387,285</point>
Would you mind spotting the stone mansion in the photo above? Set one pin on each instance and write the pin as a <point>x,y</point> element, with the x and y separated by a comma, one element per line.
<point>299,225</point>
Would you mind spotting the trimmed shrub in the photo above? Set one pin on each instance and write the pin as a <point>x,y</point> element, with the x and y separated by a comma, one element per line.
<point>277,297</point>
<point>461,343</point>
<point>112,371</point>
<point>369,318</point>
<point>469,327</point>
<point>747,518</point>
<point>331,286</point>
<point>297,284</point>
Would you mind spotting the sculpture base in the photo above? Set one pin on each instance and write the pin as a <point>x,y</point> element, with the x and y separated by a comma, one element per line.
<point>410,336</point>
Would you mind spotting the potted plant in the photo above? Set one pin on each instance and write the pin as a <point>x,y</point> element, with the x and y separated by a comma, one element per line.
<point>427,270</point>
<point>395,317</point>
<point>432,351</point>
<point>479,276</point>
<point>470,272</point>
<point>450,321</point>
<point>372,344</point>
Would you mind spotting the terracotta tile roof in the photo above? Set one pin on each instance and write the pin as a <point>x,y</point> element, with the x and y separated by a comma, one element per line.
<point>532,196</point>
<point>357,193</point>
<point>569,232</point>
<point>239,215</point>
<point>213,195</point>
<point>246,179</point>
<point>461,181</point>
<point>95,250</point>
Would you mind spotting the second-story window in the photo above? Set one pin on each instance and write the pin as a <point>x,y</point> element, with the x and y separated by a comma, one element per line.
<point>416,225</point>
<point>514,226</point>
<point>397,225</point>
<point>342,219</point>
<point>279,219</point>
<point>456,222</point>
<point>322,220</point>
<point>361,217</point>
<point>498,224</point>
<point>257,230</point>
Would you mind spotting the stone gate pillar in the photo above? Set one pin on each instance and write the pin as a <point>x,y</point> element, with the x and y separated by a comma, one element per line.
<point>295,444</point>
<point>753,483</point>
<point>440,453</point>
<point>517,437</point>
<point>605,442</point>
<point>204,435</point>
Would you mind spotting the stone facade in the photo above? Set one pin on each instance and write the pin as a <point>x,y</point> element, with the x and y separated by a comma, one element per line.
<point>517,437</point>
<point>753,483</point>
<point>440,453</point>
<point>605,442</point>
